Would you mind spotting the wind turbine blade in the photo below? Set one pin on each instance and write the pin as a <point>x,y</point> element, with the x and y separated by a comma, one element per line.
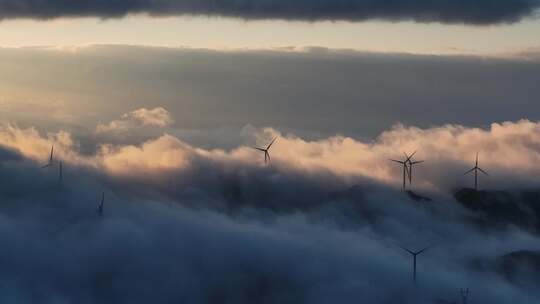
<point>419,252</point>
<point>260,149</point>
<point>408,171</point>
<point>409,157</point>
<point>268,154</point>
<point>100,206</point>
<point>417,162</point>
<point>476,159</point>
<point>406,250</point>
<point>52,153</point>
<point>271,143</point>
<point>45,166</point>
<point>396,161</point>
<point>469,171</point>
<point>483,171</point>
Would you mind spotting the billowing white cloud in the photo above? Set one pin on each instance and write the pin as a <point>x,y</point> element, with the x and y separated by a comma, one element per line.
<point>509,150</point>
<point>281,232</point>
<point>157,117</point>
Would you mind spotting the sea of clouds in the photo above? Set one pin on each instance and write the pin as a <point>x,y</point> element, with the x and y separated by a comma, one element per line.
<point>323,223</point>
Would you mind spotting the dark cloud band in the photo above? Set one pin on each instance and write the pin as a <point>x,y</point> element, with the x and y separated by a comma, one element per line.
<point>457,11</point>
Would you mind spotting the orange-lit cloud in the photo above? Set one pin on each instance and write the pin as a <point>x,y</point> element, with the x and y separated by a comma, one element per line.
<point>157,117</point>
<point>509,148</point>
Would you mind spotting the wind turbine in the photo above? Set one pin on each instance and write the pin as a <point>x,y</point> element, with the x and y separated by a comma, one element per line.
<point>414,254</point>
<point>266,151</point>
<point>100,206</point>
<point>464,295</point>
<point>405,170</point>
<point>411,163</point>
<point>476,169</point>
<point>60,173</point>
<point>50,163</point>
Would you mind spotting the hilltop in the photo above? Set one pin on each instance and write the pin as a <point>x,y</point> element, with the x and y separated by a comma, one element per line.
<point>499,209</point>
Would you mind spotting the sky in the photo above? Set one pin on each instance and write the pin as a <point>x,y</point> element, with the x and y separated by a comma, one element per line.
<point>312,92</point>
<point>129,175</point>
<point>487,28</point>
<point>229,34</point>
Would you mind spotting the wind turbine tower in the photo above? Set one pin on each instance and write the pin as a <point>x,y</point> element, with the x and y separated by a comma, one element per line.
<point>411,163</point>
<point>464,295</point>
<point>101,204</point>
<point>60,173</point>
<point>415,255</point>
<point>476,169</point>
<point>405,170</point>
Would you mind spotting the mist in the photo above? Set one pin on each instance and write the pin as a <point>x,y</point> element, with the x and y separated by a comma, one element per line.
<point>323,223</point>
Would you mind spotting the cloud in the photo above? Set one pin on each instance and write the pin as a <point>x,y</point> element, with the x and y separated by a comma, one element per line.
<point>532,54</point>
<point>157,117</point>
<point>193,225</point>
<point>213,94</point>
<point>510,151</point>
<point>462,11</point>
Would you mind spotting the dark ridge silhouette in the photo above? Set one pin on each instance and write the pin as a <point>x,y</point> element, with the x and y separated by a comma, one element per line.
<point>532,201</point>
<point>417,197</point>
<point>498,209</point>
<point>521,268</point>
<point>8,154</point>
